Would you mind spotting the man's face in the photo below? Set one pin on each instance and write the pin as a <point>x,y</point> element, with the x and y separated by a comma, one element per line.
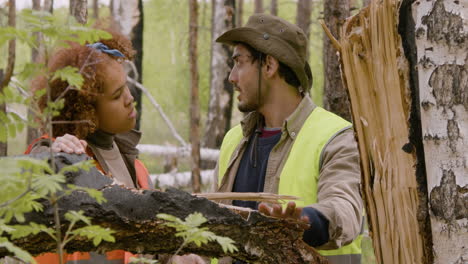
<point>115,110</point>
<point>244,77</point>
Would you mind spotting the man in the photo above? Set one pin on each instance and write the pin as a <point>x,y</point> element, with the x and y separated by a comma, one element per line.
<point>286,144</point>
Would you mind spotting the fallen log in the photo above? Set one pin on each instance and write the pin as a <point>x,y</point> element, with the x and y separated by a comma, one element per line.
<point>132,214</point>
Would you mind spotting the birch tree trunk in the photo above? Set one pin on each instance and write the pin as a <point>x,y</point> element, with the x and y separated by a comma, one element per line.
<point>194,101</point>
<point>79,9</point>
<point>221,92</point>
<point>258,6</point>
<point>304,10</point>
<point>274,7</point>
<point>442,56</point>
<point>95,9</point>
<point>128,16</point>
<point>335,97</point>
<point>239,12</point>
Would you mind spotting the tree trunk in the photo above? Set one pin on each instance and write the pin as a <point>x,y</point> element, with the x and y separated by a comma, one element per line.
<point>239,12</point>
<point>194,100</point>
<point>442,65</point>
<point>32,132</point>
<point>274,7</point>
<point>3,145</point>
<point>79,10</point>
<point>335,97</point>
<point>128,16</point>
<point>48,6</point>
<point>304,10</point>
<point>221,92</point>
<point>258,6</point>
<point>95,9</point>
<point>6,77</point>
<point>137,42</point>
<point>376,74</point>
<point>132,214</point>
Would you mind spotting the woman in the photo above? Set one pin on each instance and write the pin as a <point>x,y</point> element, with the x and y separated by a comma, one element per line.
<point>97,119</point>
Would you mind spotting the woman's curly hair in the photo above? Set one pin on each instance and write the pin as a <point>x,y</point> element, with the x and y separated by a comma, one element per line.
<point>80,105</point>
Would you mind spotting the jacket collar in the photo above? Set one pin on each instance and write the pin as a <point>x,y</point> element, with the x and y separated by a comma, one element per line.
<point>291,125</point>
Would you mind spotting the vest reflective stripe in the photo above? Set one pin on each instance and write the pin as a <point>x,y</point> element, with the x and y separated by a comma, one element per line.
<point>300,173</point>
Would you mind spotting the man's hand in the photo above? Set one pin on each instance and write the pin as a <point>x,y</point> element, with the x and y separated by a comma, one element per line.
<point>291,211</point>
<point>69,144</point>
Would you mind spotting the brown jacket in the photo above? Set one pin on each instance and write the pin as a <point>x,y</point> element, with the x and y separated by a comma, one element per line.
<point>338,198</point>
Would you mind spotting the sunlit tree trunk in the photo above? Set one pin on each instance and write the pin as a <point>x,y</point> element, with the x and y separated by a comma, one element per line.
<point>335,98</point>
<point>194,100</point>
<point>5,78</point>
<point>221,91</point>
<point>239,12</point>
<point>442,67</point>
<point>48,6</point>
<point>79,10</point>
<point>258,6</point>
<point>274,7</point>
<point>128,16</point>
<point>95,9</point>
<point>33,133</point>
<point>304,10</point>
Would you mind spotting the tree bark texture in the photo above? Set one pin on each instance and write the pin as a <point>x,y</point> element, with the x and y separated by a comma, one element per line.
<point>221,90</point>
<point>32,132</point>
<point>48,6</point>
<point>304,11</point>
<point>376,74</point>
<point>194,100</point>
<point>239,13</point>
<point>335,97</point>
<point>79,10</point>
<point>258,6</point>
<point>3,145</point>
<point>6,76</point>
<point>132,214</point>
<point>128,17</point>
<point>442,56</point>
<point>95,9</point>
<point>274,7</point>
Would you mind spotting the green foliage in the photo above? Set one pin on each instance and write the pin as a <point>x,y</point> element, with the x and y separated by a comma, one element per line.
<point>18,252</point>
<point>91,232</point>
<point>191,232</point>
<point>71,75</point>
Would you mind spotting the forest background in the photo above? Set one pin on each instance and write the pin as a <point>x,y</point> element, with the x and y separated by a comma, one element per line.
<point>166,68</point>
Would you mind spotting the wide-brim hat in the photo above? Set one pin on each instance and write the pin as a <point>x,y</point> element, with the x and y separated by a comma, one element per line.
<point>276,37</point>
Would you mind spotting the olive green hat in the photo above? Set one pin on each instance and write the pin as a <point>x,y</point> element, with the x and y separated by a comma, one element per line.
<point>276,37</point>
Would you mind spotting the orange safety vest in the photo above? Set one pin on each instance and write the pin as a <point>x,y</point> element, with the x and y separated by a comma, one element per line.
<point>112,257</point>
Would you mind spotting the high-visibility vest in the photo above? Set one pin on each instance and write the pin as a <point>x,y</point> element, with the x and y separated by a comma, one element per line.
<point>112,257</point>
<point>300,174</point>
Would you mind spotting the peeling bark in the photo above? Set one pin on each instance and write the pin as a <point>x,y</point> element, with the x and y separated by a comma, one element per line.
<point>442,42</point>
<point>132,215</point>
<point>376,74</point>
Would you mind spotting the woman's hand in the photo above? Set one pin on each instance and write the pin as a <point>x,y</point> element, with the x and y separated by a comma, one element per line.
<point>69,144</point>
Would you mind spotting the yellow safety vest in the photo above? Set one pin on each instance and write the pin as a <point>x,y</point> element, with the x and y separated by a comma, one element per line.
<point>300,173</point>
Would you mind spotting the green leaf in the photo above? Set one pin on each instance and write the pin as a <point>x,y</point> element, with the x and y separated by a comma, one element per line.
<point>18,252</point>
<point>85,165</point>
<point>77,216</point>
<point>70,75</point>
<point>26,230</point>
<point>11,130</point>
<point>95,233</point>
